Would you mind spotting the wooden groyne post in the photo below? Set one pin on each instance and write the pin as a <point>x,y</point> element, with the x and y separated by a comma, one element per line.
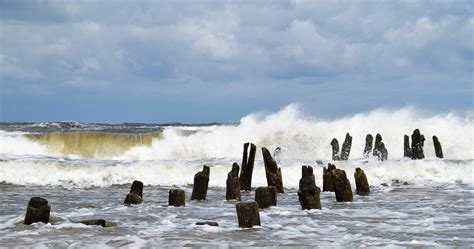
<point>37,211</point>
<point>346,147</point>
<point>233,183</point>
<point>201,182</point>
<point>248,160</point>
<point>248,214</point>
<point>136,194</point>
<point>272,172</point>
<point>308,193</point>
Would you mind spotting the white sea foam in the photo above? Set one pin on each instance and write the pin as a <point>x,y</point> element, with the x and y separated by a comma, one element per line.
<point>15,143</point>
<point>308,138</point>
<point>167,173</point>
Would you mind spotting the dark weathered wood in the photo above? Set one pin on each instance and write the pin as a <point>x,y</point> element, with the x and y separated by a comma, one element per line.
<point>369,140</point>
<point>335,149</point>
<point>308,193</point>
<point>342,186</point>
<point>362,185</point>
<point>328,184</point>
<point>137,188</point>
<point>266,196</point>
<point>383,152</point>
<point>437,146</point>
<point>37,211</point>
<point>248,214</point>
<point>417,142</point>
<point>248,160</point>
<point>97,222</point>
<point>406,146</point>
<point>136,193</point>
<point>201,182</point>
<point>207,223</point>
<point>346,147</point>
<point>233,183</point>
<point>177,198</point>
<point>377,149</point>
<point>272,172</point>
<point>132,198</point>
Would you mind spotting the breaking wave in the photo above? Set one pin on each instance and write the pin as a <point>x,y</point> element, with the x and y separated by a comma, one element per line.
<point>300,136</point>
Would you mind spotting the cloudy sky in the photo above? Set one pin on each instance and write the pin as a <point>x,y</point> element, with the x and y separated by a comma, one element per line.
<point>203,61</point>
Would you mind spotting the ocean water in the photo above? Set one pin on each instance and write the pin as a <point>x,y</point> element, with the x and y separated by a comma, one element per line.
<point>85,171</point>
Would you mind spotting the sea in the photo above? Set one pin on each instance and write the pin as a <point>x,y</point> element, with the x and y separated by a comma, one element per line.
<point>85,170</point>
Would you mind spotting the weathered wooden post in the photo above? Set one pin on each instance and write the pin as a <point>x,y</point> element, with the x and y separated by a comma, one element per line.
<point>94,222</point>
<point>437,146</point>
<point>37,211</point>
<point>97,222</point>
<point>176,198</point>
<point>335,150</point>
<point>342,186</point>
<point>406,146</point>
<point>248,214</point>
<point>308,193</point>
<point>266,196</point>
<point>383,152</point>
<point>272,172</point>
<point>369,140</point>
<point>248,160</point>
<point>346,147</point>
<point>207,223</point>
<point>136,194</point>
<point>201,181</point>
<point>328,185</point>
<point>377,149</point>
<point>233,184</point>
<point>417,142</point>
<point>362,185</point>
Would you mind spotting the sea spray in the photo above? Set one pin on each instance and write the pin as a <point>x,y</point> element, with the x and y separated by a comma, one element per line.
<point>167,158</point>
<point>309,138</point>
<point>299,136</point>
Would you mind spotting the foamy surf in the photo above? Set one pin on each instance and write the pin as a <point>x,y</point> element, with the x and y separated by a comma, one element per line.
<point>300,136</point>
<point>80,173</point>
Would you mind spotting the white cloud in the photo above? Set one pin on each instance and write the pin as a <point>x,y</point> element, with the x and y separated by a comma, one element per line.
<point>90,64</point>
<point>88,27</point>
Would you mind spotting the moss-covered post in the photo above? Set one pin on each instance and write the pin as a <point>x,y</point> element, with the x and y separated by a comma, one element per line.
<point>272,172</point>
<point>308,193</point>
<point>201,182</point>
<point>233,184</point>
<point>362,185</point>
<point>136,194</point>
<point>342,186</point>
<point>328,184</point>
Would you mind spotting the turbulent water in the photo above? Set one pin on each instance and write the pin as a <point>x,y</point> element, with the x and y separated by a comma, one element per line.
<point>85,171</point>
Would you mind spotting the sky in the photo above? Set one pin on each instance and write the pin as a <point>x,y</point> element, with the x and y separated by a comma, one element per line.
<point>216,61</point>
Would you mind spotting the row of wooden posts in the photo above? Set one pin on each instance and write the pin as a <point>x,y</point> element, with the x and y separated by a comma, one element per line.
<point>413,151</point>
<point>334,180</point>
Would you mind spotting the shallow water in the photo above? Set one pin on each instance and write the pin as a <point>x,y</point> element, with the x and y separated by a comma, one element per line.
<point>397,215</point>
